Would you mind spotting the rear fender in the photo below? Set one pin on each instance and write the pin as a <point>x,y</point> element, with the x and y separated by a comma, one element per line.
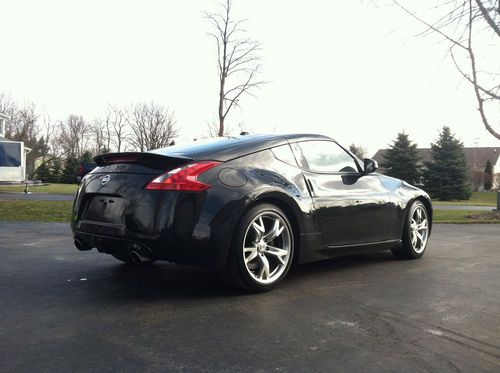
<point>298,212</point>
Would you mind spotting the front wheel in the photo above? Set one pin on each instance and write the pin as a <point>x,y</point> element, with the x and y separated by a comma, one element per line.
<point>262,248</point>
<point>415,233</point>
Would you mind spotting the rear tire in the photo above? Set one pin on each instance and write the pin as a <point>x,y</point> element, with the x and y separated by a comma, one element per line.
<point>415,233</point>
<point>262,249</point>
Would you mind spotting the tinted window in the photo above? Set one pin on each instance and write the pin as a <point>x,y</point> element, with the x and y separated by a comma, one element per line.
<point>10,154</point>
<point>327,156</point>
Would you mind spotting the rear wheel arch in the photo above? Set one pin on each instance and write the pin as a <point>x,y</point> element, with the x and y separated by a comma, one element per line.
<point>246,264</point>
<point>289,207</point>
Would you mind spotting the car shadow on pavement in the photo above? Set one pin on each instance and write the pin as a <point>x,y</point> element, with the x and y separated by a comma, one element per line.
<point>162,281</point>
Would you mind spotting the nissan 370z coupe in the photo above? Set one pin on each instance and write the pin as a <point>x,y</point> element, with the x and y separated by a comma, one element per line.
<point>253,205</point>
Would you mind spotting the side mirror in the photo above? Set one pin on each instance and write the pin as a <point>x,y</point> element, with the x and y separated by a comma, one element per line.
<point>371,165</point>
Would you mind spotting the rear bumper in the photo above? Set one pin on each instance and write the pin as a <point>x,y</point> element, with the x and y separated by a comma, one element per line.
<point>185,228</point>
<point>114,245</point>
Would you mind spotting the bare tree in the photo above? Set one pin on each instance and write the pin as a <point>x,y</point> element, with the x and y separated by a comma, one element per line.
<point>212,130</point>
<point>152,125</point>
<point>358,150</point>
<point>22,125</point>
<point>8,107</point>
<point>73,136</point>
<point>477,179</point>
<point>119,128</point>
<point>7,104</point>
<point>469,26</point>
<point>238,60</point>
<point>110,131</point>
<point>44,142</point>
<point>99,136</point>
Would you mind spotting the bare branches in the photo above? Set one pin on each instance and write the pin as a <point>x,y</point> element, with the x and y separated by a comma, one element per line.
<point>238,59</point>
<point>139,127</point>
<point>456,26</point>
<point>119,130</point>
<point>98,131</point>
<point>73,135</point>
<point>434,28</point>
<point>487,15</point>
<point>111,130</point>
<point>7,104</point>
<point>489,92</point>
<point>152,125</point>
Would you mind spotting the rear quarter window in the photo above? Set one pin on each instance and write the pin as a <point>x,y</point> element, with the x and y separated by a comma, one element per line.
<point>284,153</point>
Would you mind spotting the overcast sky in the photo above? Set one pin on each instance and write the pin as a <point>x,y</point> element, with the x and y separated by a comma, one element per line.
<point>342,68</point>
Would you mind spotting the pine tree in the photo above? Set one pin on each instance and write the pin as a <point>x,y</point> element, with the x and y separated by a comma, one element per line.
<point>43,172</point>
<point>70,172</point>
<point>55,171</point>
<point>446,176</point>
<point>488,175</point>
<point>401,160</point>
<point>87,157</point>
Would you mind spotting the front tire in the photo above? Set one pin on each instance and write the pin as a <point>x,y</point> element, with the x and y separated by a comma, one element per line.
<point>262,248</point>
<point>415,233</point>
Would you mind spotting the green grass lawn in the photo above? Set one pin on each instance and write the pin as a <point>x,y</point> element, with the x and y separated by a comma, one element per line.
<point>466,216</point>
<point>477,199</point>
<point>50,188</point>
<point>55,211</point>
<point>36,210</point>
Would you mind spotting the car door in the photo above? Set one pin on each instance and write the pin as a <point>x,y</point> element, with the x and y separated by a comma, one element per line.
<point>352,207</point>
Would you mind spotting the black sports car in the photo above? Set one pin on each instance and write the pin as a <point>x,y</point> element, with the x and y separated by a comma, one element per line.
<point>253,205</point>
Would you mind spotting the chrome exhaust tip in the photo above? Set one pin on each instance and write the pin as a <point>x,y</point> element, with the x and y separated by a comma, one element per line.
<point>138,259</point>
<point>81,246</point>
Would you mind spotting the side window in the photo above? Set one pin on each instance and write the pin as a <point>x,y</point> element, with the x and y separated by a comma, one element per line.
<point>327,156</point>
<point>284,154</point>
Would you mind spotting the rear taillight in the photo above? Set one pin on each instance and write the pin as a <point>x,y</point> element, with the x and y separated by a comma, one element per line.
<point>183,178</point>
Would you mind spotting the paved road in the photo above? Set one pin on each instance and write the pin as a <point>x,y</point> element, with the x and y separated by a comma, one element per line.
<point>62,310</point>
<point>457,207</point>
<point>36,196</point>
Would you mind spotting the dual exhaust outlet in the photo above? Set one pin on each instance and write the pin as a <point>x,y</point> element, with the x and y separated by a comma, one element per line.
<point>135,252</point>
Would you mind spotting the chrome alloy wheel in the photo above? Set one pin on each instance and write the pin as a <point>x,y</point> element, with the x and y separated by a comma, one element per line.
<point>419,229</point>
<point>267,247</point>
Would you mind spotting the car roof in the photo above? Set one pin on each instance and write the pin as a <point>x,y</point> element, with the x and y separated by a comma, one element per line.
<point>230,147</point>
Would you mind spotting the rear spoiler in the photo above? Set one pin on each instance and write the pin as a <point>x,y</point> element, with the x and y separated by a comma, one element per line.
<point>153,160</point>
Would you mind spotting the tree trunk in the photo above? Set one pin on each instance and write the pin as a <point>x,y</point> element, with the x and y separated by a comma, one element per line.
<point>221,108</point>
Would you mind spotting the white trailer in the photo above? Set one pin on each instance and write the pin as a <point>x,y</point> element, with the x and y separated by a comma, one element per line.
<point>12,157</point>
<point>12,161</point>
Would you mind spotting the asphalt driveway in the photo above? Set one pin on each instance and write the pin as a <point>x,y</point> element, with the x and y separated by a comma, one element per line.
<point>459,207</point>
<point>62,310</point>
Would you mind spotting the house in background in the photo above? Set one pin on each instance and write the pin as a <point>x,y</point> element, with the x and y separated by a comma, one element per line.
<point>476,159</point>
<point>12,157</point>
